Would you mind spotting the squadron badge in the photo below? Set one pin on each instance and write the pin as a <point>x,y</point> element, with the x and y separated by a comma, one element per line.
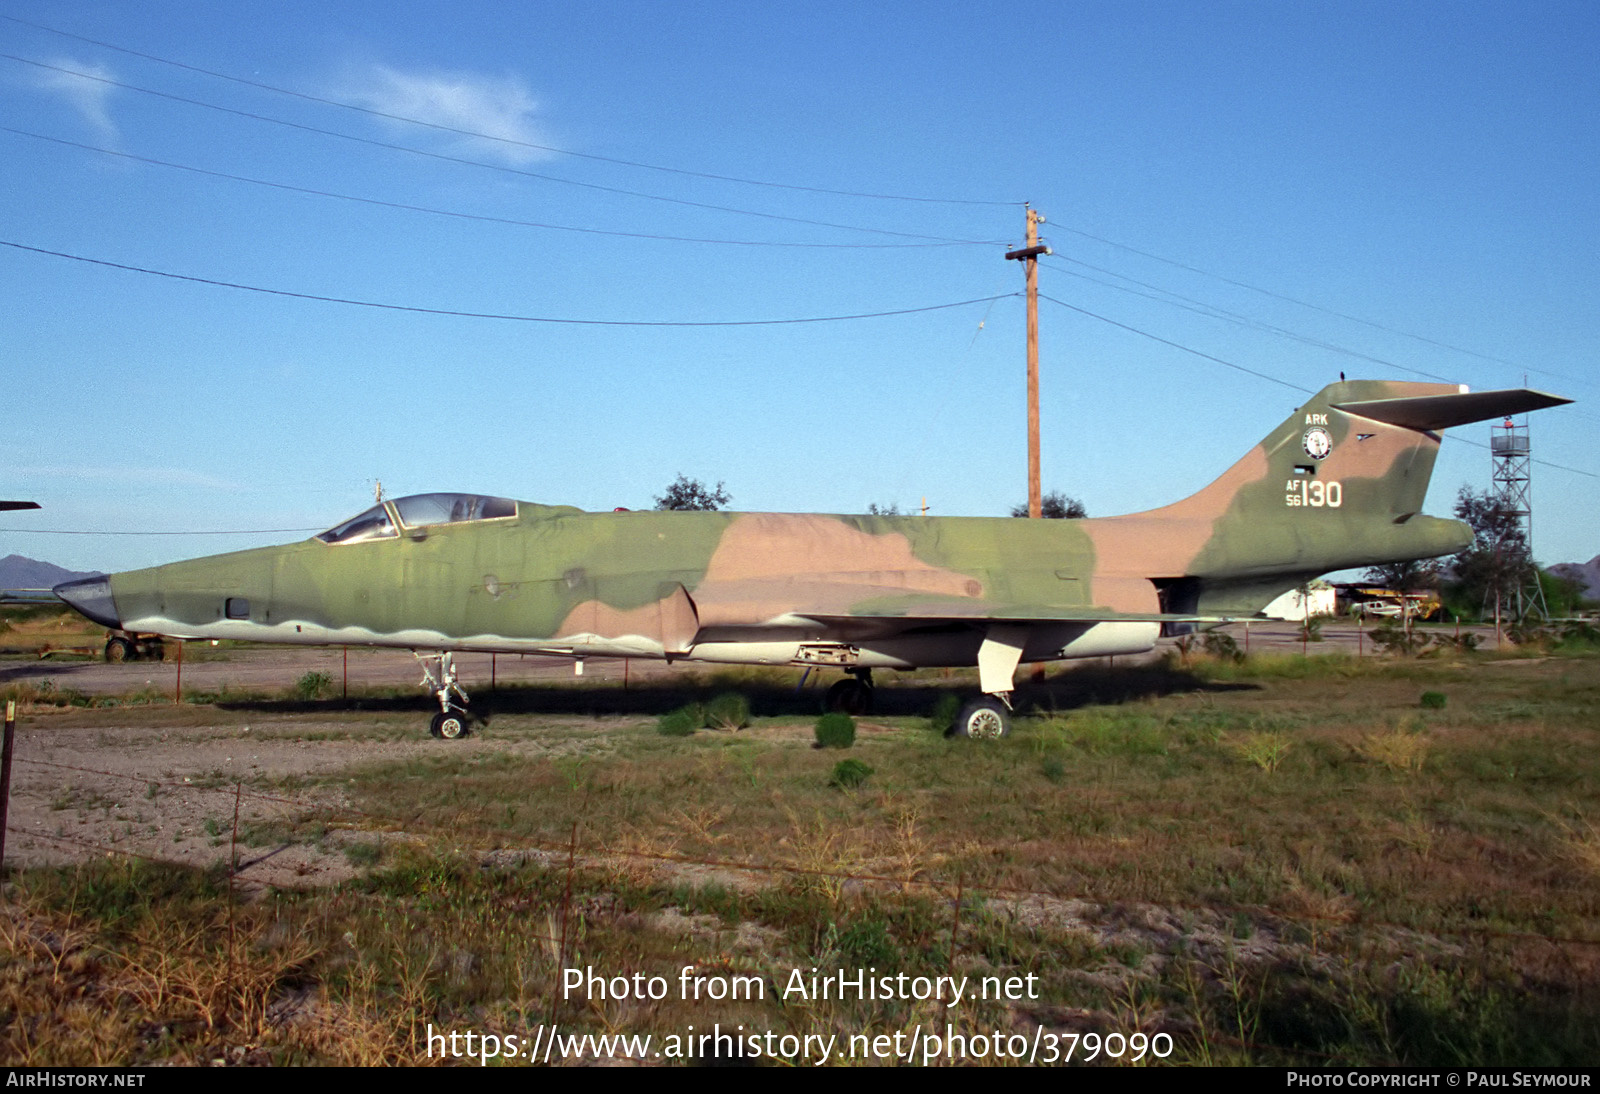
<point>1317,442</point>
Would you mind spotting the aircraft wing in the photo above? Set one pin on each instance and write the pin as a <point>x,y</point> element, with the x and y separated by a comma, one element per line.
<point>28,596</point>
<point>923,609</point>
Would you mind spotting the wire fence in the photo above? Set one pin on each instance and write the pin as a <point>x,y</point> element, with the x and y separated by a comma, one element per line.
<point>579,853</point>
<point>575,855</point>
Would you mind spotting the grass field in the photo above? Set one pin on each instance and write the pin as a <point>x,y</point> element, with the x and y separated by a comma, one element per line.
<point>1288,861</point>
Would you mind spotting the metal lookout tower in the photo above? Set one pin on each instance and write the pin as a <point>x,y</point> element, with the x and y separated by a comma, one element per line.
<point>1512,454</point>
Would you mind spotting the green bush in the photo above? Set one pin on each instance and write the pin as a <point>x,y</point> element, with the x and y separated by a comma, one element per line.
<point>945,709</point>
<point>728,711</point>
<point>679,723</point>
<point>1433,700</point>
<point>1579,634</point>
<point>1222,646</point>
<point>1392,637</point>
<point>1465,642</point>
<point>1534,636</point>
<point>836,731</point>
<point>313,685</point>
<point>849,774</point>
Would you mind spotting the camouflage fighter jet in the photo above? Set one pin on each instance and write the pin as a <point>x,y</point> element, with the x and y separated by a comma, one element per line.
<point>1339,483</point>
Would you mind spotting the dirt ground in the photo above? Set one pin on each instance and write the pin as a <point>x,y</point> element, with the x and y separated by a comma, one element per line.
<point>163,780</point>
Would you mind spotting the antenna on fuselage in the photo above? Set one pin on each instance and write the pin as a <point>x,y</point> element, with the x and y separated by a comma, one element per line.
<point>377,491</point>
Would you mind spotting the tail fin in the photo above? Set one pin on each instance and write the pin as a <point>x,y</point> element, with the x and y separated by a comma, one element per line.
<point>1340,483</point>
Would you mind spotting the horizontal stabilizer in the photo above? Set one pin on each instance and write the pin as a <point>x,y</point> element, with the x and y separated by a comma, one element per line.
<point>1435,412</point>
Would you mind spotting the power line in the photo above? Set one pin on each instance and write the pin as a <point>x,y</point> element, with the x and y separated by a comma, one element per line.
<point>453,213</point>
<point>1214,312</point>
<point>1545,463</point>
<point>1175,345</point>
<point>1307,304</point>
<point>494,315</point>
<point>502,140</point>
<point>1200,307</point>
<point>1264,376</point>
<point>492,166</point>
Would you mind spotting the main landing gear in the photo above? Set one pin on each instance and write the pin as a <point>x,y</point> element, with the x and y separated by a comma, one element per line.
<point>989,716</point>
<point>452,721</point>
<point>852,695</point>
<point>123,646</point>
<point>986,718</point>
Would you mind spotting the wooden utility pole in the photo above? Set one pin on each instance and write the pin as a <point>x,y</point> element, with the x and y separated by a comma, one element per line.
<point>1029,255</point>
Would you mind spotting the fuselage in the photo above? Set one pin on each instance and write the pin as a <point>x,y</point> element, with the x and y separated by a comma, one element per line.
<point>766,588</point>
<point>1339,483</point>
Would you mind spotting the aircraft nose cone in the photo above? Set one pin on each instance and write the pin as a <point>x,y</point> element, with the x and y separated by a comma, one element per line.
<point>92,597</point>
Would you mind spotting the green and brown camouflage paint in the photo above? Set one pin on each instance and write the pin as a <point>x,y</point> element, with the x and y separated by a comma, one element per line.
<point>1329,488</point>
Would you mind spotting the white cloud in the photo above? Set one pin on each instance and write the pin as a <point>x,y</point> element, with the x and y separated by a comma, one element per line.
<point>156,476</point>
<point>500,108</point>
<point>82,88</point>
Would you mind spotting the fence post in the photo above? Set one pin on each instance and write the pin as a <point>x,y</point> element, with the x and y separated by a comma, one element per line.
<point>5,773</point>
<point>955,926</point>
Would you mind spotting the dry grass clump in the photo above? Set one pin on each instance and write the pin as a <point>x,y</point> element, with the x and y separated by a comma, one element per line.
<point>1401,750</point>
<point>1264,748</point>
<point>1582,844</point>
<point>820,854</point>
<point>126,989</point>
<point>47,975</point>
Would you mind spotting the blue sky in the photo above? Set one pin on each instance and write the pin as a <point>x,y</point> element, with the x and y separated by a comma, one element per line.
<point>1409,183</point>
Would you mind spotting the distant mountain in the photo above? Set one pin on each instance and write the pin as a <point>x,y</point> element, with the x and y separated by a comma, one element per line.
<point>17,572</point>
<point>1586,572</point>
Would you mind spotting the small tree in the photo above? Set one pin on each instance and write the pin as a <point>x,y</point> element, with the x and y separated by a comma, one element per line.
<point>1498,561</point>
<point>1405,577</point>
<point>876,510</point>
<point>686,493</point>
<point>1563,595</point>
<point>1054,506</point>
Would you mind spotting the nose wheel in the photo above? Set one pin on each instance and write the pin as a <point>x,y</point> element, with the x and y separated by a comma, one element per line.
<point>439,677</point>
<point>449,725</point>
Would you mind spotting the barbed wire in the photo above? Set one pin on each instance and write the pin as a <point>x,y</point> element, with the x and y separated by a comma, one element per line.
<point>506,842</point>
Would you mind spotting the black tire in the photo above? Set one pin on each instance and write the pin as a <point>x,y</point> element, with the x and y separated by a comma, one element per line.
<point>451,726</point>
<point>848,696</point>
<point>119,650</point>
<point>984,719</point>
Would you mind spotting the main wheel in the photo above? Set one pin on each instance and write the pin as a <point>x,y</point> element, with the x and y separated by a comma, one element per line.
<point>984,719</point>
<point>119,650</point>
<point>848,696</point>
<point>449,726</point>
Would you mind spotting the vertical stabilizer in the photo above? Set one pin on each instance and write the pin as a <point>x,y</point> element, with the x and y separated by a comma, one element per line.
<point>1339,483</point>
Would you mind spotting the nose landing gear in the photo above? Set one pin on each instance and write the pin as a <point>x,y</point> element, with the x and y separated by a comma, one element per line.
<point>452,721</point>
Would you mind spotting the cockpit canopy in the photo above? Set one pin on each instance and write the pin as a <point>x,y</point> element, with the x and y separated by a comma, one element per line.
<point>419,511</point>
